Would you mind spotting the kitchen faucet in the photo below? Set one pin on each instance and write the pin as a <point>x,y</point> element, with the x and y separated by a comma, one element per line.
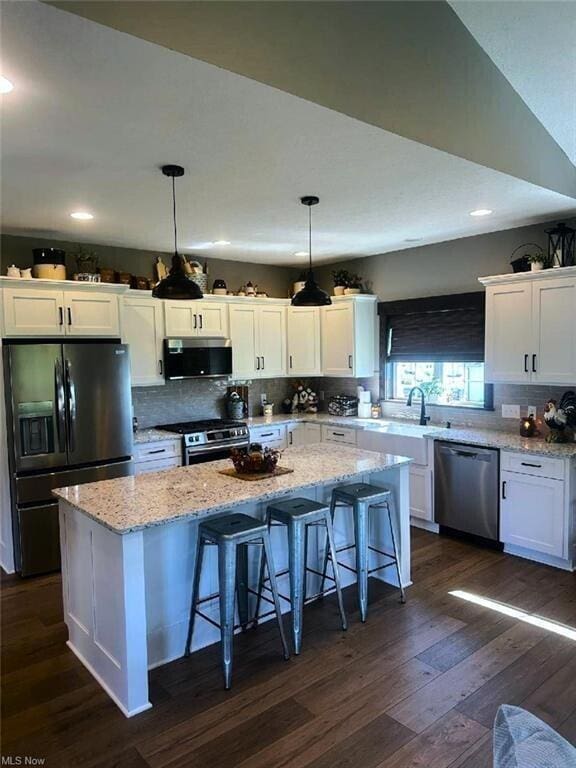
<point>423,418</point>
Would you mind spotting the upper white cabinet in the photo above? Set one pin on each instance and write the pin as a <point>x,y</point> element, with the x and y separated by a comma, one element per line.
<point>258,334</point>
<point>36,310</point>
<point>531,327</point>
<point>304,341</point>
<point>196,318</point>
<point>143,330</point>
<point>349,336</point>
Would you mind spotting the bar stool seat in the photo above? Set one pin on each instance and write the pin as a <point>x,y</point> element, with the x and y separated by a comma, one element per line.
<point>298,515</point>
<point>232,534</point>
<point>363,497</point>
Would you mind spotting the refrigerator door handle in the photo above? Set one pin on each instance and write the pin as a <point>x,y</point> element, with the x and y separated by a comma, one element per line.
<point>60,405</point>
<point>71,407</point>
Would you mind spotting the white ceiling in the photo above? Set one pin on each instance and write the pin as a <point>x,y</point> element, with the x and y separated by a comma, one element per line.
<point>95,112</point>
<point>533,44</point>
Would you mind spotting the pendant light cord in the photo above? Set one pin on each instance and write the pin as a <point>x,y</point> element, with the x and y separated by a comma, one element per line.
<point>174,216</point>
<point>310,238</point>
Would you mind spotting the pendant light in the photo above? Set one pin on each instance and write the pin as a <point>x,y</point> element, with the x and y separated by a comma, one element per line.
<point>311,295</point>
<point>177,284</point>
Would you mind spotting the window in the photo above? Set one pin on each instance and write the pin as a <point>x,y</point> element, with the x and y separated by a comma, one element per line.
<point>460,384</point>
<point>436,343</point>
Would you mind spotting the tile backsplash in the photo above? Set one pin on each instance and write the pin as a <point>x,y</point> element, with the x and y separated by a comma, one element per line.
<point>205,398</point>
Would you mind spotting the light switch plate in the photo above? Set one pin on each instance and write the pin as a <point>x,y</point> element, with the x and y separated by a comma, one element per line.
<point>532,411</point>
<point>263,398</point>
<point>510,411</point>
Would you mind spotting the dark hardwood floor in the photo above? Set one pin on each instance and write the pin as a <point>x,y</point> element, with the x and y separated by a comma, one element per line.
<point>418,685</point>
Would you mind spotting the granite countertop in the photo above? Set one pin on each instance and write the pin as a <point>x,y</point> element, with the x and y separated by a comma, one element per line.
<point>154,435</point>
<point>492,438</point>
<point>132,503</point>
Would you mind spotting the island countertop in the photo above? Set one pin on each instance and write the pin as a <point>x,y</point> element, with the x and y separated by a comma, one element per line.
<point>133,503</point>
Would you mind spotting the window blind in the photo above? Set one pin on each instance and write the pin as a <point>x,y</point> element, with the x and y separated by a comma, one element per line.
<point>435,329</point>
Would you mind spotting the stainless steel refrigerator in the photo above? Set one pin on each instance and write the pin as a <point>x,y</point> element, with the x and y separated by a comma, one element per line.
<point>69,421</point>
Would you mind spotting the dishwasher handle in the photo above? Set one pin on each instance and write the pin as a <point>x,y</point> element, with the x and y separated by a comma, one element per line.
<point>464,453</point>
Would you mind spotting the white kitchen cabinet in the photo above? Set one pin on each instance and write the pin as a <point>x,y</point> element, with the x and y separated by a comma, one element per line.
<point>143,330</point>
<point>421,482</point>
<point>38,311</point>
<point>304,341</point>
<point>554,332</point>
<point>532,513</point>
<point>157,455</point>
<point>531,327</point>
<point>196,318</point>
<point>270,436</point>
<point>91,314</point>
<point>272,340</point>
<point>30,312</point>
<point>348,332</point>
<point>258,334</point>
<point>304,433</point>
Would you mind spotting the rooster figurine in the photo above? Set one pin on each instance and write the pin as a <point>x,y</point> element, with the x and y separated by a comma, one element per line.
<point>561,419</point>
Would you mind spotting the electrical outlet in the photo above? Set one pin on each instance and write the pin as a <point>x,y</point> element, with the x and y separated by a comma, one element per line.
<point>263,398</point>
<point>510,411</point>
<point>532,411</point>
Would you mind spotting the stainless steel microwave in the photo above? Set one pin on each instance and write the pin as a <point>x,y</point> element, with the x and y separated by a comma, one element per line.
<point>192,358</point>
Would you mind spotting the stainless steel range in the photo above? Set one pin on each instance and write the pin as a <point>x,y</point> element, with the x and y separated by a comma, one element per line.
<point>209,439</point>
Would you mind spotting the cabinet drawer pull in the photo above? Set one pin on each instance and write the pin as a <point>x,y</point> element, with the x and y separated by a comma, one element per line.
<point>504,489</point>
<point>338,434</point>
<point>528,464</point>
<point>158,450</point>
<point>533,363</point>
<point>161,367</point>
<point>201,321</point>
<point>525,363</point>
<point>60,316</point>
<point>290,361</point>
<point>257,363</point>
<point>69,316</point>
<point>267,434</point>
<point>262,362</point>
<point>195,322</point>
<point>350,362</point>
<point>290,438</point>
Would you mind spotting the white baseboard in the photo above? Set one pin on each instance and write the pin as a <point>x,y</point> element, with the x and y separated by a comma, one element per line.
<point>425,525</point>
<point>540,557</point>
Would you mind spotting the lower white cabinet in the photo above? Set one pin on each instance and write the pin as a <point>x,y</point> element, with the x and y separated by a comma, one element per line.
<point>143,331</point>
<point>157,455</point>
<point>270,436</point>
<point>303,433</point>
<point>338,435</point>
<point>532,513</point>
<point>421,482</point>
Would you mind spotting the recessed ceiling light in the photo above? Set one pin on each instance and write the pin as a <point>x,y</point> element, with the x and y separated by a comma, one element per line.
<point>5,85</point>
<point>82,215</point>
<point>481,212</point>
<point>301,253</point>
<point>221,242</point>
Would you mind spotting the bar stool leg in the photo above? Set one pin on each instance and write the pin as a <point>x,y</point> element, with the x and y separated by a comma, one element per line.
<point>242,585</point>
<point>361,538</point>
<point>261,574</point>
<point>296,556</point>
<point>197,571</point>
<point>227,579</point>
<point>391,514</point>
<point>331,544</point>
<point>324,569</point>
<point>274,588</point>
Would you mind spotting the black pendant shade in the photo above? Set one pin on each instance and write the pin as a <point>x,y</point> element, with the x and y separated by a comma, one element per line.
<point>177,284</point>
<point>311,295</point>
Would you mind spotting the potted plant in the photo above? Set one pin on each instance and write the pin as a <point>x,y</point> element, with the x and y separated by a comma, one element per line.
<point>341,278</point>
<point>354,285</point>
<point>539,260</point>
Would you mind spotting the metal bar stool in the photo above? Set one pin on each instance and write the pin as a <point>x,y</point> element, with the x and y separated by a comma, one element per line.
<point>298,515</point>
<point>362,498</point>
<point>232,534</point>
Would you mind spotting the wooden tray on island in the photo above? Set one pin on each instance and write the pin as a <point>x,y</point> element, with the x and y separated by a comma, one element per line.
<point>250,476</point>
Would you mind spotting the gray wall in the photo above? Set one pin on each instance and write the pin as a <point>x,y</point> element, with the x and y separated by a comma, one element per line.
<point>275,281</point>
<point>431,270</point>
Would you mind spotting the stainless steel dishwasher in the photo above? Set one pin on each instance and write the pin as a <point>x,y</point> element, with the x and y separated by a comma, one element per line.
<point>466,489</point>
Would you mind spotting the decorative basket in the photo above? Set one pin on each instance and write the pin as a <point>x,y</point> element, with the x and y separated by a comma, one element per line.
<point>201,280</point>
<point>255,459</point>
<point>343,405</point>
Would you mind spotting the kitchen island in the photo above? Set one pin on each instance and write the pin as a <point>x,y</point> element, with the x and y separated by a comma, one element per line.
<point>127,553</point>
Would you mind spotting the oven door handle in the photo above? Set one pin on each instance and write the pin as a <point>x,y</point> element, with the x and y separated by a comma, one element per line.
<point>211,448</point>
